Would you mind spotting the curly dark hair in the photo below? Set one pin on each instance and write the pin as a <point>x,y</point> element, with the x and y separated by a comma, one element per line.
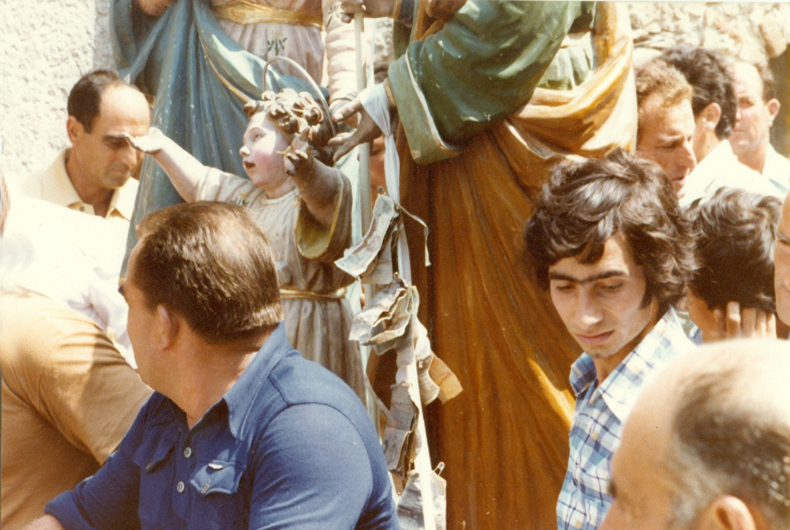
<point>294,112</point>
<point>732,236</point>
<point>708,73</point>
<point>587,203</point>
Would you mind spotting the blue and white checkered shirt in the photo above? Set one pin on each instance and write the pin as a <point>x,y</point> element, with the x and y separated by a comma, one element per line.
<point>599,417</point>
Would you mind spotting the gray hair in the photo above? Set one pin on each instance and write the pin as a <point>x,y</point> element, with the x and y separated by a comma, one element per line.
<point>722,445</point>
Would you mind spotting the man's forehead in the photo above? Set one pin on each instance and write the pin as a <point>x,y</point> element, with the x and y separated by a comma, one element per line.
<point>122,105</point>
<point>617,260</point>
<point>662,121</point>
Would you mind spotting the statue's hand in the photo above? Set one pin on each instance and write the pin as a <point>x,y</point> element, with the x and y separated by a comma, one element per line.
<point>367,131</point>
<point>151,143</point>
<point>298,155</point>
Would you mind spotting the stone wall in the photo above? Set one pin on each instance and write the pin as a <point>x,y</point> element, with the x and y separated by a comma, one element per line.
<point>47,45</point>
<point>749,31</point>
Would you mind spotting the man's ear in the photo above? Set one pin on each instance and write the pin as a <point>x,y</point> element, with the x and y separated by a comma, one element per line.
<point>168,324</point>
<point>727,513</point>
<point>711,114</point>
<point>74,129</point>
<point>773,108</point>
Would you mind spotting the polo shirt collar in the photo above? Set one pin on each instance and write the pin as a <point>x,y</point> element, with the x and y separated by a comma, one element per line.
<point>239,399</point>
<point>57,188</point>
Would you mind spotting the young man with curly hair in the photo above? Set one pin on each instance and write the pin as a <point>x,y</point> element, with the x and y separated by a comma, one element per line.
<point>607,240</point>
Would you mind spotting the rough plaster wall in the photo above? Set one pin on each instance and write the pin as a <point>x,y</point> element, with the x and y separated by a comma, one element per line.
<point>46,46</point>
<point>750,31</point>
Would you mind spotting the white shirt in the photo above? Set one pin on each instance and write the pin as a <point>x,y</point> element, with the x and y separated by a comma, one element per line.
<point>777,170</point>
<point>69,257</point>
<point>720,169</point>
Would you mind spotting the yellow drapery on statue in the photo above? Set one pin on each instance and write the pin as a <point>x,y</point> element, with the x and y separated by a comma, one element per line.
<point>505,438</point>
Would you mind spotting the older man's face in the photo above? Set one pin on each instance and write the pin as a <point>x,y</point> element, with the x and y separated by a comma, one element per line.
<point>782,265</point>
<point>752,129</point>
<point>666,136</point>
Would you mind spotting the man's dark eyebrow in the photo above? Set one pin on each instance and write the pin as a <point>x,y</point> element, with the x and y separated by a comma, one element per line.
<point>782,237</point>
<point>602,276</point>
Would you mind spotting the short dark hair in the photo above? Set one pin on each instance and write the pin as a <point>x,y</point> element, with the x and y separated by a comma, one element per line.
<point>708,73</point>
<point>84,101</point>
<point>657,76</point>
<point>719,447</point>
<point>732,235</point>
<point>213,265</point>
<point>586,203</point>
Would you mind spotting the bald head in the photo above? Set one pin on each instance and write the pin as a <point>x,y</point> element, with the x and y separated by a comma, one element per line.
<point>709,441</point>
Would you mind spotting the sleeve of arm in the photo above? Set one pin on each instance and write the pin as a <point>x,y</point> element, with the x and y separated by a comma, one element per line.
<point>481,66</point>
<point>109,499</point>
<point>216,185</point>
<point>339,46</point>
<point>90,394</point>
<point>312,472</point>
<point>318,241</point>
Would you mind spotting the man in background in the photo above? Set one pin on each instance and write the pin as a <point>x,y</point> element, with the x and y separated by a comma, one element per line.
<point>757,110</point>
<point>665,133</point>
<point>715,108</point>
<point>94,176</point>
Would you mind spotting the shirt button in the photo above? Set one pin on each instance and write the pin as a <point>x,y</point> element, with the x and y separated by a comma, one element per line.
<point>204,488</point>
<point>187,452</point>
<point>180,487</point>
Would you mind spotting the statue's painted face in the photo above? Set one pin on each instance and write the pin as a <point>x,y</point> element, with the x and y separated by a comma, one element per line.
<point>262,154</point>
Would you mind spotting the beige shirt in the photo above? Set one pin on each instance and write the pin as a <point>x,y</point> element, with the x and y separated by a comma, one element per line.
<point>53,185</point>
<point>68,398</point>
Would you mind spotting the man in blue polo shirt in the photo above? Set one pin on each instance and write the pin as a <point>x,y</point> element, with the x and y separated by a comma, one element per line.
<point>242,432</point>
<point>607,241</point>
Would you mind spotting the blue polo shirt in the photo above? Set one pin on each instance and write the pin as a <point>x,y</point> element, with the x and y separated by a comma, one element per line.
<point>288,446</point>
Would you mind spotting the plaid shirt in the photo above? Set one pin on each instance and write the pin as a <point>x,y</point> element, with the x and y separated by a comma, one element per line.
<point>599,417</point>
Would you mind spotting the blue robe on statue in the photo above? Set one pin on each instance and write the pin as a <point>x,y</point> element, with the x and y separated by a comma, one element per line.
<point>200,79</point>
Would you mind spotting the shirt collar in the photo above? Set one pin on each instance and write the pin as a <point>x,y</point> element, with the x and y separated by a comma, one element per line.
<point>240,398</point>
<point>621,388</point>
<point>57,188</point>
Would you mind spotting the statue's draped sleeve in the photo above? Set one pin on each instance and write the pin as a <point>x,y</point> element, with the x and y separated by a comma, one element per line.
<point>482,65</point>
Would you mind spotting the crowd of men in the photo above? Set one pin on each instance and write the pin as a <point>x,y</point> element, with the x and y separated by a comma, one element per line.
<point>216,421</point>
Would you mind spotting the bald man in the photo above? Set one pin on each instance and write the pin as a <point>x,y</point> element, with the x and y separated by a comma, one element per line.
<point>707,444</point>
<point>94,175</point>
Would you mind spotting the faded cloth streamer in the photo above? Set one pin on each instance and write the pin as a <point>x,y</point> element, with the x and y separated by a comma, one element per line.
<point>376,103</point>
<point>374,99</point>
